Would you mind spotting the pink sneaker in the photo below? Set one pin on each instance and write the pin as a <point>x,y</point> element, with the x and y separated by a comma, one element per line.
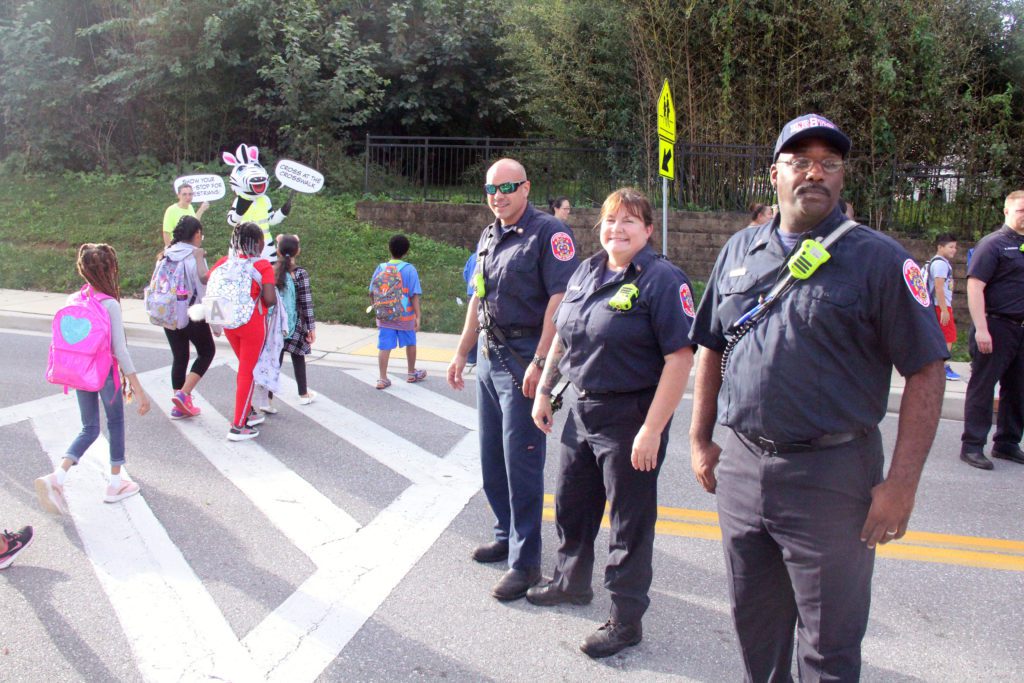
<point>127,489</point>
<point>51,495</point>
<point>183,402</point>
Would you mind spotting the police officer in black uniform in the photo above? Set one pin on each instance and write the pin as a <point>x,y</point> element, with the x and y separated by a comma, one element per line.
<point>801,498</point>
<point>995,297</point>
<point>524,260</point>
<point>623,341</point>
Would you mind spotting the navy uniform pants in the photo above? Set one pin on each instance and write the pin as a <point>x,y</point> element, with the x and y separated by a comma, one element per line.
<point>597,442</point>
<point>1004,365</point>
<point>791,528</point>
<point>512,451</point>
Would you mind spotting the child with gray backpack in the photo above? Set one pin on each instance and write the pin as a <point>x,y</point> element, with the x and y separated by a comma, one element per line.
<point>178,282</point>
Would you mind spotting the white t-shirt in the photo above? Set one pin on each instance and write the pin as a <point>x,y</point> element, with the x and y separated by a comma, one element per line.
<point>940,267</point>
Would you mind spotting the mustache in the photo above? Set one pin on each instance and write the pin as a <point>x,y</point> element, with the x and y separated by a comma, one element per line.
<point>804,189</point>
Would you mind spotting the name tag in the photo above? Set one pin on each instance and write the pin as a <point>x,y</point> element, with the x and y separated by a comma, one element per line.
<point>736,272</point>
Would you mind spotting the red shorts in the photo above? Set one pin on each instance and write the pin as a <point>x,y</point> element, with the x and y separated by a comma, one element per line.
<point>949,329</point>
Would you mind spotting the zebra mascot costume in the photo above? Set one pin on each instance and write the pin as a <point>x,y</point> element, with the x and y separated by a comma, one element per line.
<point>249,181</point>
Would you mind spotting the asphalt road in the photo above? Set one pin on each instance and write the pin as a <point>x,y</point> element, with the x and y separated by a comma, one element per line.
<point>336,547</point>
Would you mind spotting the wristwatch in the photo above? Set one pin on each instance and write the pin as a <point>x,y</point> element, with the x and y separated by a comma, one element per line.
<point>539,361</point>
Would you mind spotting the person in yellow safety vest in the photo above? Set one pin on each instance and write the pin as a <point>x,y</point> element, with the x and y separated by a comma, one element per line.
<point>249,181</point>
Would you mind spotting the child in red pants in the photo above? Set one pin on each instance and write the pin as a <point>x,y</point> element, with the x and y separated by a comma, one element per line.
<point>247,341</point>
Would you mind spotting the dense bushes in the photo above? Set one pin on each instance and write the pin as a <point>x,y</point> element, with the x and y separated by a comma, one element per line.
<point>130,85</point>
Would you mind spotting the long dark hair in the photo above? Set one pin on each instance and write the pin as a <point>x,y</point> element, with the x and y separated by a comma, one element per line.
<point>186,229</point>
<point>247,239</point>
<point>287,248</point>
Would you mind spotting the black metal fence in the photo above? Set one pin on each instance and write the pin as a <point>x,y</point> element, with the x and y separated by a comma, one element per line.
<point>439,169</point>
<point>914,199</point>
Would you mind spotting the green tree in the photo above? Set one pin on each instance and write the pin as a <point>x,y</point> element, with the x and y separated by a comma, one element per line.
<point>446,70</point>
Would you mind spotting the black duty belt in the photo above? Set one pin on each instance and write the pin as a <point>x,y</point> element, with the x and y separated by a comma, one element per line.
<point>518,332</point>
<point>584,395</point>
<point>1018,323</point>
<point>821,443</point>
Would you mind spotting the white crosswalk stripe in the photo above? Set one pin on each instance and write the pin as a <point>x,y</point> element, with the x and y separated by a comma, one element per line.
<point>176,629</point>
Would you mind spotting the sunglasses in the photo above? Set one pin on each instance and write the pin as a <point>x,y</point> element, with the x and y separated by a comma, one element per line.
<point>504,188</point>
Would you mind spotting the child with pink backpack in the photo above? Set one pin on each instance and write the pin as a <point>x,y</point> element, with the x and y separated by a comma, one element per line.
<point>89,353</point>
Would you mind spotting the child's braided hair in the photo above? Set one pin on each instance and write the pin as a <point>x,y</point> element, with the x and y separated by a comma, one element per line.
<point>247,239</point>
<point>97,263</point>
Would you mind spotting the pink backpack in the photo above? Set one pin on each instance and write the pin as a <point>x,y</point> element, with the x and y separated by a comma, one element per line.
<point>80,356</point>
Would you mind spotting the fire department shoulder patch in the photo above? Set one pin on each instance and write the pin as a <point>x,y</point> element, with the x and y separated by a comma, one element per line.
<point>915,283</point>
<point>686,299</point>
<point>562,246</point>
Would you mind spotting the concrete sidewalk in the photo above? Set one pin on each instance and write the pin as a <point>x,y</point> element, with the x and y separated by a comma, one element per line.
<point>28,310</point>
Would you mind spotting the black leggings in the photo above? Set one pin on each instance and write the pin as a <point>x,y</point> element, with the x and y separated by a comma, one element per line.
<point>299,366</point>
<point>200,336</point>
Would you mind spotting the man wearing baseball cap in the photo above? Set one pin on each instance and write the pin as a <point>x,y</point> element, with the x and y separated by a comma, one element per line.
<point>800,326</point>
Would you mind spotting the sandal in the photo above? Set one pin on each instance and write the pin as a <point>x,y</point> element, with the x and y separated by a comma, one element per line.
<point>383,383</point>
<point>416,376</point>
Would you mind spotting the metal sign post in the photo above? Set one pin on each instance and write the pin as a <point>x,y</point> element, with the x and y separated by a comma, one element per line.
<point>666,152</point>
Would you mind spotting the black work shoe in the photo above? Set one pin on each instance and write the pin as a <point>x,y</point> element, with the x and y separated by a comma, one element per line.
<point>515,582</point>
<point>611,638</point>
<point>976,459</point>
<point>550,595</point>
<point>495,551</point>
<point>1013,455</point>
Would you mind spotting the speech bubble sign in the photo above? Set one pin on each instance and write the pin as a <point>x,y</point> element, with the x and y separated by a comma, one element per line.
<point>297,177</point>
<point>205,188</point>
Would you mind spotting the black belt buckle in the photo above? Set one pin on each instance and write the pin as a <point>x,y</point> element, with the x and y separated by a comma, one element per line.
<point>767,445</point>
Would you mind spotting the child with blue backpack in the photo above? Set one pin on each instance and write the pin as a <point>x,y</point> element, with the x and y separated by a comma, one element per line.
<point>92,320</point>
<point>395,299</point>
<point>296,298</point>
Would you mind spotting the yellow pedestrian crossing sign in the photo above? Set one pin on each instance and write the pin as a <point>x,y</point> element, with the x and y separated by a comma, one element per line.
<point>666,114</point>
<point>666,159</point>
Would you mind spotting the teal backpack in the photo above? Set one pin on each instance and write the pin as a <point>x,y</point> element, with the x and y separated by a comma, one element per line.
<point>290,309</point>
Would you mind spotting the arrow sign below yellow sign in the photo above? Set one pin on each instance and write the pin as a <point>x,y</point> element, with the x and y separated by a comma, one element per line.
<point>666,114</point>
<point>666,162</point>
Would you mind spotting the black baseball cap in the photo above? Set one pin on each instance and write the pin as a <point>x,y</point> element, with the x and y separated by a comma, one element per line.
<point>812,126</point>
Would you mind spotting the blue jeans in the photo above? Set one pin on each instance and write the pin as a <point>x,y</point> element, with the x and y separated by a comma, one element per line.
<point>512,452</point>
<point>89,409</point>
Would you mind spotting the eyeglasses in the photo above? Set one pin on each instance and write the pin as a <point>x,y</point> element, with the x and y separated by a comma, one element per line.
<point>803,164</point>
<point>504,188</point>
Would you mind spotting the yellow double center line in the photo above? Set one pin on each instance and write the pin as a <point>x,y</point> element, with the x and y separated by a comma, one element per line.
<point>920,546</point>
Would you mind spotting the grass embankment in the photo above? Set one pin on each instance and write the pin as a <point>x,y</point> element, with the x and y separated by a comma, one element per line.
<point>44,220</point>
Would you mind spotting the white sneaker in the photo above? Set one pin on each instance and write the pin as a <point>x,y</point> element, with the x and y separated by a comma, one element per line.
<point>51,495</point>
<point>127,489</point>
<point>308,398</point>
<point>268,409</point>
<point>255,419</point>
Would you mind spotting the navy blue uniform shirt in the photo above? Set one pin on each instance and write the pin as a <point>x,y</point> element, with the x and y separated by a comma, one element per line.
<point>525,265</point>
<point>999,263</point>
<point>821,361</point>
<point>614,350</point>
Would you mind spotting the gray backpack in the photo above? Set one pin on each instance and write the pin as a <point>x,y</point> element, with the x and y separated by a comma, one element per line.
<point>167,298</point>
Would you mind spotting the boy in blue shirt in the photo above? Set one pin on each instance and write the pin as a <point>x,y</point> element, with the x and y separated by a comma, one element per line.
<point>395,298</point>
